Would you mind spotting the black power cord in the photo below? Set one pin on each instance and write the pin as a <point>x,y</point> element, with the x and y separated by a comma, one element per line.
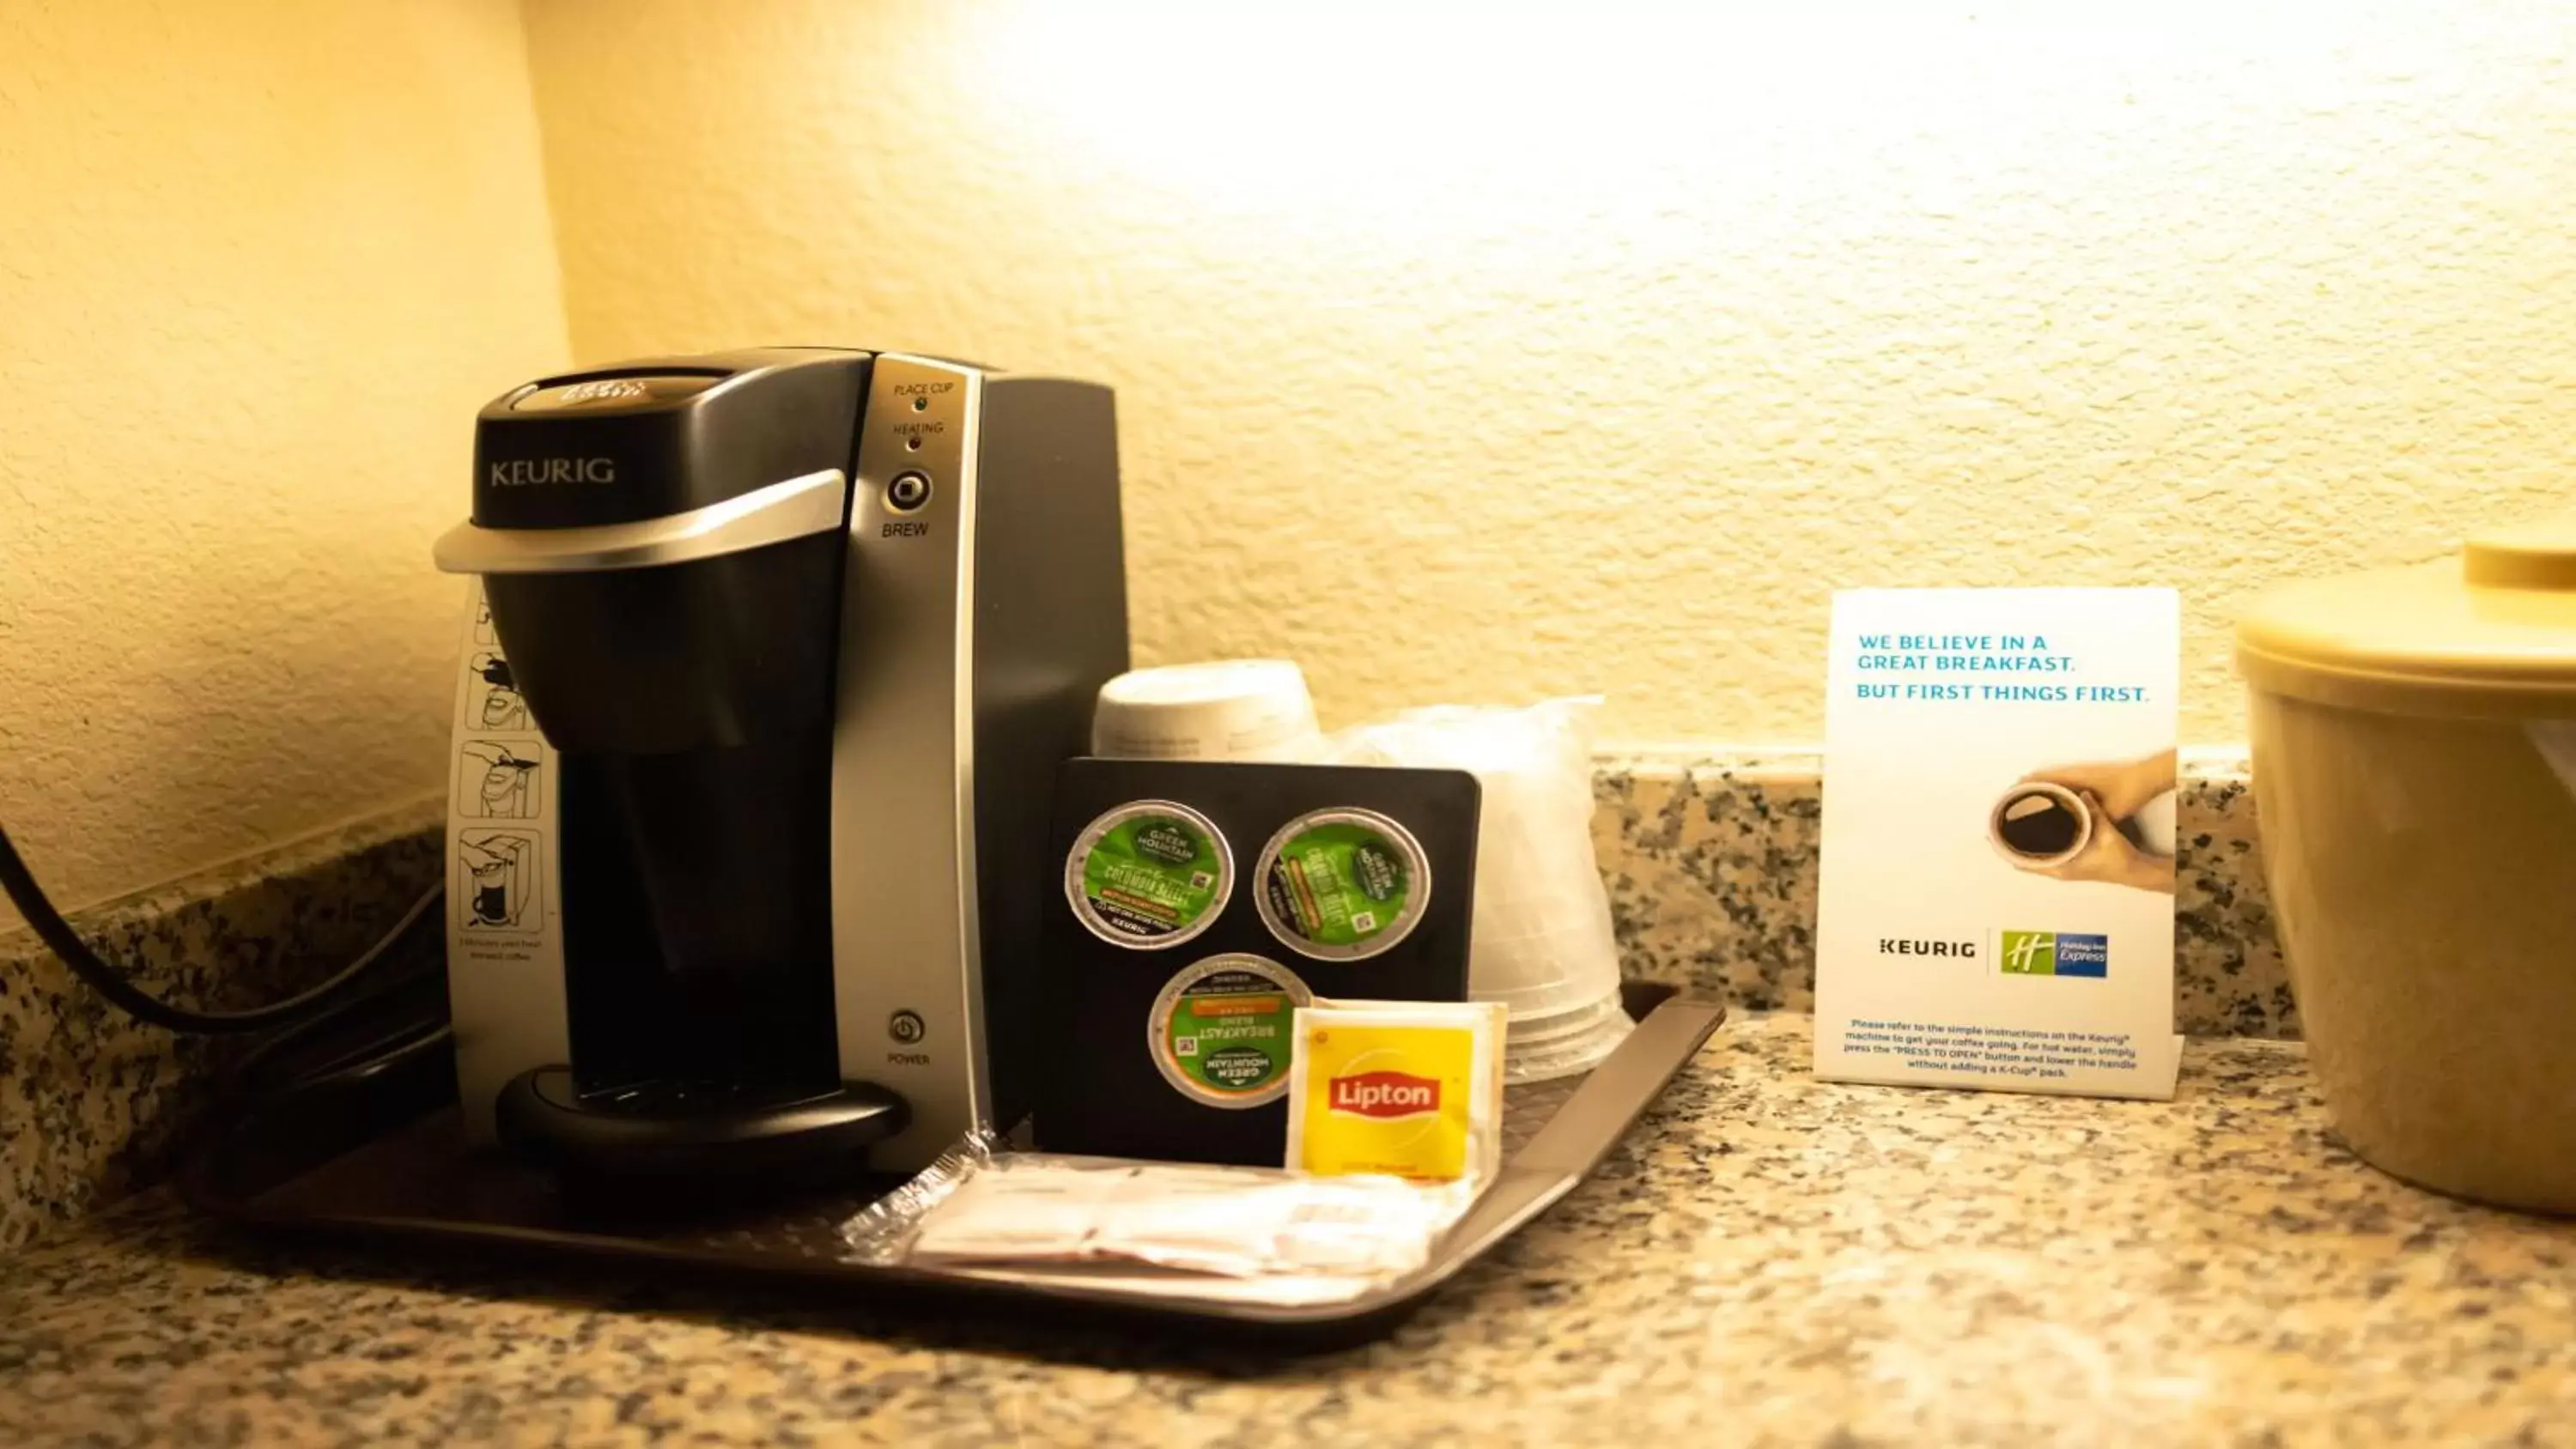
<point>57,933</point>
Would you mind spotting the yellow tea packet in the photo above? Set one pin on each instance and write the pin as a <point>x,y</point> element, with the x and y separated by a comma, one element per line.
<point>1406,1088</point>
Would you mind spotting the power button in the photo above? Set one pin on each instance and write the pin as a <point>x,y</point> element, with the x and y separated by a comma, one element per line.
<point>907,491</point>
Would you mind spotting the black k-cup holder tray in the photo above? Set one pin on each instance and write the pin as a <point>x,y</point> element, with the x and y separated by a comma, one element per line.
<point>1100,1092</point>
<point>383,1157</point>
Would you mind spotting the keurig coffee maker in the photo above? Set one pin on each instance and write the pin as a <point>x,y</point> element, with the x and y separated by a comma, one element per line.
<point>774,657</point>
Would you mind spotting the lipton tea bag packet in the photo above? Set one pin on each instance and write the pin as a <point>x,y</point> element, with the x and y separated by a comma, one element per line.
<point>1406,1088</point>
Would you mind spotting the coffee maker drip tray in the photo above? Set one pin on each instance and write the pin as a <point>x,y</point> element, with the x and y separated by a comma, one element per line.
<point>721,1131</point>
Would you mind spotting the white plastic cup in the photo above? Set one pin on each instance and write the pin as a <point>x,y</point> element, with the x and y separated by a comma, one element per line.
<point>1228,709</point>
<point>1543,943</point>
<point>1533,1031</point>
<point>1565,1056</point>
<point>1542,974</point>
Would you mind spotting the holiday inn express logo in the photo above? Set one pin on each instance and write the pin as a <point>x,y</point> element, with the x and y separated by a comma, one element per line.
<point>2029,953</point>
<point>2054,953</point>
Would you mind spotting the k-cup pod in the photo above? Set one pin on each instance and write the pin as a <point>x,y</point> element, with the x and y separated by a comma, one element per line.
<point>2036,825</point>
<point>1231,709</point>
<point>1343,884</point>
<point>1221,1030</point>
<point>1149,874</point>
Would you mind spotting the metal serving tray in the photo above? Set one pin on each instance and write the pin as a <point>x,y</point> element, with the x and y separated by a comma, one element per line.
<point>384,1158</point>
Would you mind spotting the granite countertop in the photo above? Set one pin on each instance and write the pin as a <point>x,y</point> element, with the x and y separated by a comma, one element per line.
<point>1768,1257</point>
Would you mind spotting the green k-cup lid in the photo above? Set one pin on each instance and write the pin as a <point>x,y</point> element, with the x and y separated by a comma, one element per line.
<point>1220,1030</point>
<point>1149,874</point>
<point>1342,884</point>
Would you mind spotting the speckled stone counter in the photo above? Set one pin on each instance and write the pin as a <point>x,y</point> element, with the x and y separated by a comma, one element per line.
<point>1767,1258</point>
<point>93,1102</point>
<point>1712,867</point>
<point>1710,860</point>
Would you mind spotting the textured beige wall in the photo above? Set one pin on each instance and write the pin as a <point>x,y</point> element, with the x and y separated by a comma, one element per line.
<point>1572,349</point>
<point>1464,357</point>
<point>259,263</point>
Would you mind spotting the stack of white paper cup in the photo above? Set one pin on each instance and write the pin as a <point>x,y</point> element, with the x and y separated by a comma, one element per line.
<point>1229,709</point>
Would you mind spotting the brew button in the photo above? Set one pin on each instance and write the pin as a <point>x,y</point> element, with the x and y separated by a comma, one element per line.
<point>907,491</point>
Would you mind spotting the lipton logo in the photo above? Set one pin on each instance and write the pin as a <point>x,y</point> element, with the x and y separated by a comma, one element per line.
<point>1385,1094</point>
<point>529,472</point>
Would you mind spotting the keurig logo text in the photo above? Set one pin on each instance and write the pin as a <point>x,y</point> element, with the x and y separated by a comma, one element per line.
<point>528,472</point>
<point>1915,946</point>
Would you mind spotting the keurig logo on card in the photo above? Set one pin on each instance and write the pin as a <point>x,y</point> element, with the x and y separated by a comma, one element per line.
<point>1914,946</point>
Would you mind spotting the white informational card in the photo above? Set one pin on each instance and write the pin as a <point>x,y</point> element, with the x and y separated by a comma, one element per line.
<point>1996,908</point>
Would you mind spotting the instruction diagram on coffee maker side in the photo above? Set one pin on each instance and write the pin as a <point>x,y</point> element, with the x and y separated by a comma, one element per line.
<point>502,877</point>
<point>498,780</point>
<point>492,701</point>
<point>498,872</point>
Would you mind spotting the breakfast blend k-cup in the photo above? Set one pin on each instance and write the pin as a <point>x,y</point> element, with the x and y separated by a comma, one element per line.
<point>1221,1029</point>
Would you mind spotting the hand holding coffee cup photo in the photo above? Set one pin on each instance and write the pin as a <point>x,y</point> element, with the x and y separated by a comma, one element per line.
<point>2074,822</point>
<point>2037,824</point>
<point>2119,788</point>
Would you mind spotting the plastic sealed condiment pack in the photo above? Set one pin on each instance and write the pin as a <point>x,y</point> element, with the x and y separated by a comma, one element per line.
<point>1398,1088</point>
<point>981,1204</point>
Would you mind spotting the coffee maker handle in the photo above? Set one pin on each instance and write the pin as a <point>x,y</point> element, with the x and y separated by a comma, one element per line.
<point>794,508</point>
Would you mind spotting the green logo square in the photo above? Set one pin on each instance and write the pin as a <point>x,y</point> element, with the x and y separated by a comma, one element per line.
<point>2029,953</point>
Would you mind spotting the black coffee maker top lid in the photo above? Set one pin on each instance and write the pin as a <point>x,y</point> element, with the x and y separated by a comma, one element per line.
<point>608,392</point>
<point>661,437</point>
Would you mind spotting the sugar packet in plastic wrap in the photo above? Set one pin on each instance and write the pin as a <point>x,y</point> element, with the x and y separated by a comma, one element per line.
<point>982,1207</point>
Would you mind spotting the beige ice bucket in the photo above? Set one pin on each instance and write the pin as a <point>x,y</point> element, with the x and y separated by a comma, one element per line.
<point>2414,739</point>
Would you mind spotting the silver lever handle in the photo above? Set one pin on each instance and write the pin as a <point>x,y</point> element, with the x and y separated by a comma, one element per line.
<point>794,508</point>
